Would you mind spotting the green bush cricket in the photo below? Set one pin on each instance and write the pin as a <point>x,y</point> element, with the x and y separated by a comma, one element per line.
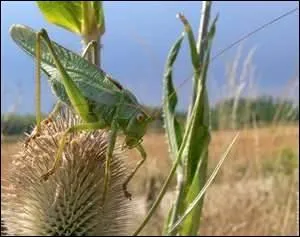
<point>100,101</point>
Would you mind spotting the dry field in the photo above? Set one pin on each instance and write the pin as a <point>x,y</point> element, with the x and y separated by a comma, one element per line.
<point>255,193</point>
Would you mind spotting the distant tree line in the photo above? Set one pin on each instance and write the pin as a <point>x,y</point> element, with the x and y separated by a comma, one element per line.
<point>15,124</point>
<point>259,111</point>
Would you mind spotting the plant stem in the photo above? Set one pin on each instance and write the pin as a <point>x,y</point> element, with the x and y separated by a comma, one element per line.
<point>90,32</point>
<point>180,196</point>
<point>203,26</point>
<point>201,43</point>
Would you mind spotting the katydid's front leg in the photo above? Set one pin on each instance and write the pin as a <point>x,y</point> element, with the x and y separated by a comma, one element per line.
<point>62,143</point>
<point>139,164</point>
<point>53,113</point>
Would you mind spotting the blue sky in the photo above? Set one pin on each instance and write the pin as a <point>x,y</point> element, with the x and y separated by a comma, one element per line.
<point>137,40</point>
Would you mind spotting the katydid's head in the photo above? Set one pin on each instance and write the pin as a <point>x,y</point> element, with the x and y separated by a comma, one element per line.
<point>136,128</point>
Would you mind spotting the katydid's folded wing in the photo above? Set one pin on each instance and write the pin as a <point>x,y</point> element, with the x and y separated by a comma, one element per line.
<point>91,90</point>
<point>74,64</point>
<point>93,82</point>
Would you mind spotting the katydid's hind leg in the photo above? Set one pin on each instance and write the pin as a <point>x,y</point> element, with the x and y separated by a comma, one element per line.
<point>109,153</point>
<point>37,129</point>
<point>63,140</point>
<point>139,164</point>
<point>78,101</point>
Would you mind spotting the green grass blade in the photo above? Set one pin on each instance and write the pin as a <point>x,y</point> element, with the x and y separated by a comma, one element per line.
<point>168,219</point>
<point>209,181</point>
<point>192,42</point>
<point>99,14</point>
<point>192,222</point>
<point>172,126</point>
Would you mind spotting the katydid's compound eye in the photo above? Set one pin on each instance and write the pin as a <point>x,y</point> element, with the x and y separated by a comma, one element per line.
<point>140,117</point>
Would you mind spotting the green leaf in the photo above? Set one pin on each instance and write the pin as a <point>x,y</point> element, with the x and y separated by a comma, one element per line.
<point>170,101</point>
<point>172,126</point>
<point>192,42</point>
<point>93,18</point>
<point>201,121</point>
<point>81,17</point>
<point>66,14</point>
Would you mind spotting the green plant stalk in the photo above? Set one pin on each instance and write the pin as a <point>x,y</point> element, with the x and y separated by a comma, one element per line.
<point>86,21</point>
<point>169,178</point>
<point>182,173</point>
<point>90,30</point>
<point>165,228</point>
<point>177,205</point>
<point>196,155</point>
<point>189,226</point>
<point>184,143</point>
<point>198,62</point>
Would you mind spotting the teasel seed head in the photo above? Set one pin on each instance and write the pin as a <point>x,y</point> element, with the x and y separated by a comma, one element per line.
<point>70,202</point>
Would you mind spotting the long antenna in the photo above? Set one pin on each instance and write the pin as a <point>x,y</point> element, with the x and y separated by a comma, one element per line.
<point>242,39</point>
<point>253,32</point>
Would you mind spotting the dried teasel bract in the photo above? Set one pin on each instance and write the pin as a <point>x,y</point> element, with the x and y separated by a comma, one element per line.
<point>70,202</point>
